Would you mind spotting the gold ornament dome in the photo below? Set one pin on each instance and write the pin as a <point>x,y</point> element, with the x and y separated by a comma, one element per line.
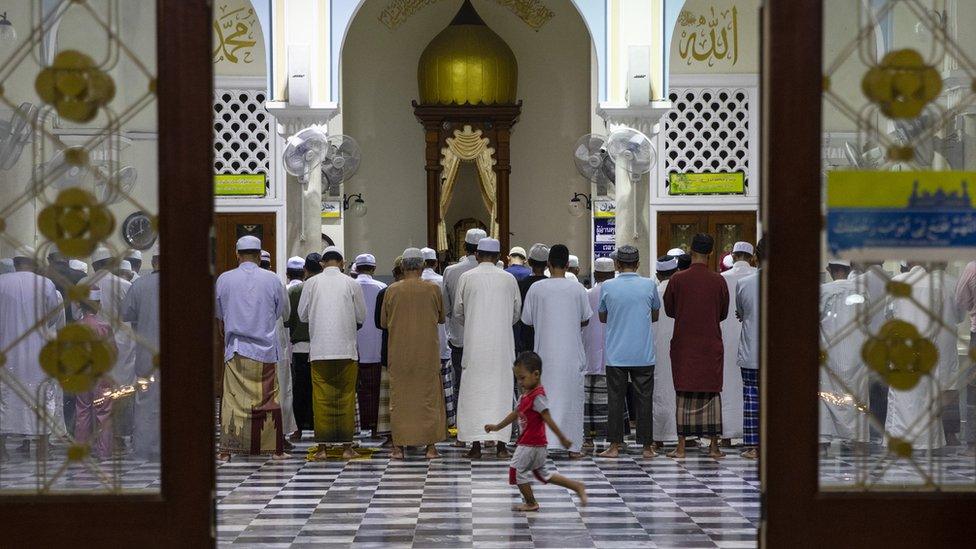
<point>467,63</point>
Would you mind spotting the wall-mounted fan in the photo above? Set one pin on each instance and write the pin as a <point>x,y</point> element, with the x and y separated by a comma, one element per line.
<point>112,186</point>
<point>868,159</point>
<point>593,162</point>
<point>634,152</point>
<point>58,174</point>
<point>15,133</point>
<point>305,152</point>
<point>342,157</point>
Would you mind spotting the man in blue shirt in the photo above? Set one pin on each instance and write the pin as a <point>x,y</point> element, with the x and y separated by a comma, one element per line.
<point>250,301</point>
<point>516,263</point>
<point>629,304</point>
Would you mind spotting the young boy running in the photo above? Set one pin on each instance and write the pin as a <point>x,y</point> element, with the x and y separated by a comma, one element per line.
<point>533,415</point>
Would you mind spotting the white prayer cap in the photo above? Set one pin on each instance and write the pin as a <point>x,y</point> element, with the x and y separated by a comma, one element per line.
<point>295,263</point>
<point>352,268</point>
<point>365,260</point>
<point>26,252</point>
<point>669,265</point>
<point>429,254</point>
<point>743,247</point>
<point>248,243</point>
<point>332,250</point>
<point>517,250</point>
<point>134,254</point>
<point>102,254</point>
<point>604,265</point>
<point>78,265</point>
<point>6,265</point>
<point>266,256</point>
<point>475,236</point>
<point>489,245</point>
<point>839,262</point>
<point>412,253</point>
<point>727,261</point>
<point>573,262</point>
<point>539,252</point>
<point>124,265</point>
<point>675,252</point>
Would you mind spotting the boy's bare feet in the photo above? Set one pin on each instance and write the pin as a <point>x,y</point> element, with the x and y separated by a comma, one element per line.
<point>526,507</point>
<point>474,452</point>
<point>432,452</point>
<point>580,490</point>
<point>611,452</point>
<point>503,452</point>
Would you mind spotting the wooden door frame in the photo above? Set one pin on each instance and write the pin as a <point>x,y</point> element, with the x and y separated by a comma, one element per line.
<point>182,514</point>
<point>702,217</point>
<point>795,512</point>
<point>273,235</point>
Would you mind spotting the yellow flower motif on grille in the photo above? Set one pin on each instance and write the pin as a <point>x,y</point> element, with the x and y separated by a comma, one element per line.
<point>900,447</point>
<point>78,451</point>
<point>76,222</point>
<point>75,86</point>
<point>902,85</point>
<point>900,355</point>
<point>77,358</point>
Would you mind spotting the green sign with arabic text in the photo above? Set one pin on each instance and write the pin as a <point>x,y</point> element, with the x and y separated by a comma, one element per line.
<point>707,183</point>
<point>240,184</point>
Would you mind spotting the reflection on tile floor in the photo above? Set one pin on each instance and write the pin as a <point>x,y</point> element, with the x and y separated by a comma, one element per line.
<point>453,502</point>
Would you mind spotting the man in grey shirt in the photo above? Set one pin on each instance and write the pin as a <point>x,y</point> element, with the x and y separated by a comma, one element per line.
<point>747,311</point>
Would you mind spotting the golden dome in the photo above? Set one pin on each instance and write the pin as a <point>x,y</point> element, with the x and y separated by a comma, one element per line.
<point>467,63</point>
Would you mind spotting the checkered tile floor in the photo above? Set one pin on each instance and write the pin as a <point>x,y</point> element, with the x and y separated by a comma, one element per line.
<point>454,502</point>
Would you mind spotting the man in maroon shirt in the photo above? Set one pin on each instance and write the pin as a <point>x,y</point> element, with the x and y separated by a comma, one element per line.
<point>698,301</point>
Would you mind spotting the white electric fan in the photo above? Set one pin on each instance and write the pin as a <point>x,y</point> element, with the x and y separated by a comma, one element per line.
<point>113,186</point>
<point>58,174</point>
<point>633,151</point>
<point>342,157</point>
<point>15,133</point>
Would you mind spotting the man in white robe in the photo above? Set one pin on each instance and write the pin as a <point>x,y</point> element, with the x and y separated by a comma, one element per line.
<point>369,343</point>
<point>664,403</point>
<point>31,312</point>
<point>871,279</point>
<point>844,377</point>
<point>286,394</point>
<point>447,375</point>
<point>141,309</point>
<point>558,309</point>
<point>915,415</point>
<point>595,380</point>
<point>486,305</point>
<point>732,400</point>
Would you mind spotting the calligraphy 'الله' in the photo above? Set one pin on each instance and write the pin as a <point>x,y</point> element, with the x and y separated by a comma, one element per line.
<point>710,37</point>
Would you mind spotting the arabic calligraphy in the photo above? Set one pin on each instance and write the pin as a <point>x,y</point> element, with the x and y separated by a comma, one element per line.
<point>534,13</point>
<point>234,32</point>
<point>709,37</point>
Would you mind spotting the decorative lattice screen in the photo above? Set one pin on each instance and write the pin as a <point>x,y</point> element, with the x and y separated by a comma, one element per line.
<point>242,132</point>
<point>707,131</point>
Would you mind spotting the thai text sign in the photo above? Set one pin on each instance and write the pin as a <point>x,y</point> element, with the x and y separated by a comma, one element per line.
<point>604,236</point>
<point>240,184</point>
<point>899,215</point>
<point>707,183</point>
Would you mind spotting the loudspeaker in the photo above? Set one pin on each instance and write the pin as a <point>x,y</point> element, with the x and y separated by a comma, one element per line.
<point>638,75</point>
<point>299,63</point>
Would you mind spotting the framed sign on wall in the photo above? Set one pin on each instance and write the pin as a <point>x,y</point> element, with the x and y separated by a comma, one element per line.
<point>707,183</point>
<point>250,185</point>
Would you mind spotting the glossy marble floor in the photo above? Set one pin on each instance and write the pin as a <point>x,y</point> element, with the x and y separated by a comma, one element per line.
<point>454,502</point>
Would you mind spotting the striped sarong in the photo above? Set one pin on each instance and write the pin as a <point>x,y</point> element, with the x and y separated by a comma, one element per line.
<point>750,407</point>
<point>595,406</point>
<point>447,378</point>
<point>249,401</point>
<point>383,426</point>
<point>699,414</point>
<point>334,400</point>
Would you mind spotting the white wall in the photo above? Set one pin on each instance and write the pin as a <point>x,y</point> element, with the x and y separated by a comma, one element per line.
<point>379,80</point>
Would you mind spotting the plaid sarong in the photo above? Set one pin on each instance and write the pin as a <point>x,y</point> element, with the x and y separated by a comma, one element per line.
<point>447,378</point>
<point>699,414</point>
<point>750,407</point>
<point>383,418</point>
<point>595,406</point>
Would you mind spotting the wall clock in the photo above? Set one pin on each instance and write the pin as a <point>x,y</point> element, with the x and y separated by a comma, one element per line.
<point>138,232</point>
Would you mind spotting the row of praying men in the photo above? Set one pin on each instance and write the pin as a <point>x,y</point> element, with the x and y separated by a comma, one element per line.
<point>114,413</point>
<point>430,351</point>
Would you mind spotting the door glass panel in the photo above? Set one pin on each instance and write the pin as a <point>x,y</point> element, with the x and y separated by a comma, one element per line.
<point>682,233</point>
<point>726,235</point>
<point>897,394</point>
<point>79,289</point>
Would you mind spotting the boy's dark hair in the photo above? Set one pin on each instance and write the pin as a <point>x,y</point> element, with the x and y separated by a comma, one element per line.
<point>529,360</point>
<point>559,256</point>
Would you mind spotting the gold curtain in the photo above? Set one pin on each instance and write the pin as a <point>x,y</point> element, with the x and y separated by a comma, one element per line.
<point>467,145</point>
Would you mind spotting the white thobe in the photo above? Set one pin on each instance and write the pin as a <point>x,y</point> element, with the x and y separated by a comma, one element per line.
<point>452,276</point>
<point>593,337</point>
<point>844,378</point>
<point>283,372</point>
<point>486,305</point>
<point>332,304</point>
<point>664,403</point>
<point>915,415</point>
<point>431,276</point>
<point>113,290</point>
<point>141,309</point>
<point>732,402</point>
<point>557,308</point>
<point>29,304</point>
<point>369,338</point>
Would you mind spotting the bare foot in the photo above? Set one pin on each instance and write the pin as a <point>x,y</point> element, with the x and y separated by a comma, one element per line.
<point>587,443</point>
<point>223,456</point>
<point>432,452</point>
<point>581,492</point>
<point>349,453</point>
<point>397,453</point>
<point>473,453</point>
<point>716,454</point>
<point>677,454</point>
<point>751,453</point>
<point>658,446</point>
<point>387,443</point>
<point>649,453</point>
<point>296,436</point>
<point>611,452</point>
<point>457,444</point>
<point>526,507</point>
<point>503,452</point>
<point>576,455</point>
<point>726,443</point>
<point>281,457</point>
<point>321,455</point>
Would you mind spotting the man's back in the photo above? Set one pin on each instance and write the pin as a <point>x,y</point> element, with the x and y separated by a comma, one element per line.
<point>628,300</point>
<point>449,286</point>
<point>333,305</point>
<point>698,301</point>
<point>369,337</point>
<point>487,304</point>
<point>249,302</point>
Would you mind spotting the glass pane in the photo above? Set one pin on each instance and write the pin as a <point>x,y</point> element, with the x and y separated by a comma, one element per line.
<point>681,235</point>
<point>726,235</point>
<point>898,300</point>
<point>79,290</point>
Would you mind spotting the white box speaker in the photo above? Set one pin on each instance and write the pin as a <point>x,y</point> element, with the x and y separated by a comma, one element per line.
<point>299,64</point>
<point>638,75</point>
